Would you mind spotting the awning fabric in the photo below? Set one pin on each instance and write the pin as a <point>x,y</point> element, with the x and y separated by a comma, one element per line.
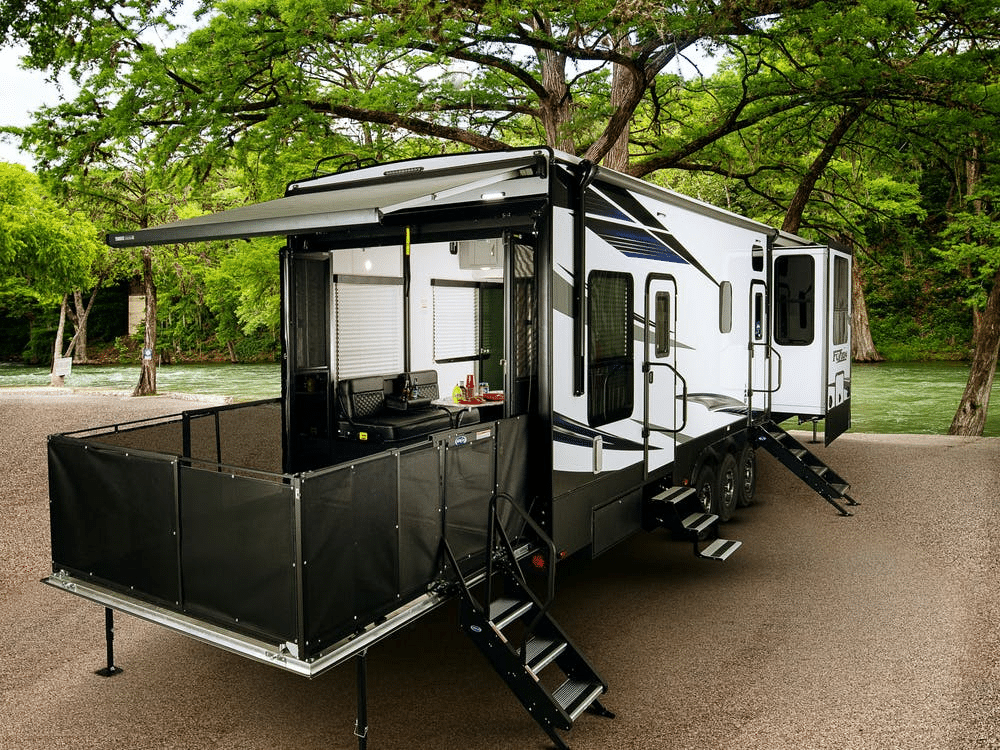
<point>360,197</point>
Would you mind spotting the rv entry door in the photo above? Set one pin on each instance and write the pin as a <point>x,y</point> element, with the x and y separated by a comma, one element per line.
<point>664,389</point>
<point>799,301</point>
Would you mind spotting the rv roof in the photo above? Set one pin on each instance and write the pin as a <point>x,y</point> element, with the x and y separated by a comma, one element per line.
<point>358,197</point>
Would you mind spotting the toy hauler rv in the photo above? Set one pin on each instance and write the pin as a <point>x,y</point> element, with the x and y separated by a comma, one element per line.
<point>485,356</point>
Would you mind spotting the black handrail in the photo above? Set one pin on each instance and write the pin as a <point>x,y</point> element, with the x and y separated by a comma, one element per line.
<point>495,530</point>
<point>647,368</point>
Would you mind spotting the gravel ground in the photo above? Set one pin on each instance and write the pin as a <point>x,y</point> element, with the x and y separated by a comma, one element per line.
<point>876,631</point>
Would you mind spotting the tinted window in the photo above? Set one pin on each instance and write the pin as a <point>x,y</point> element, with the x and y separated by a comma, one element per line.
<point>610,367</point>
<point>795,300</point>
<point>841,301</point>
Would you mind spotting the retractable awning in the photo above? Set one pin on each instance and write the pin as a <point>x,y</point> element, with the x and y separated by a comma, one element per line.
<point>361,197</point>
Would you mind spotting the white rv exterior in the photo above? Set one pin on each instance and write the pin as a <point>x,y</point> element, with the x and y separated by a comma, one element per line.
<point>639,347</point>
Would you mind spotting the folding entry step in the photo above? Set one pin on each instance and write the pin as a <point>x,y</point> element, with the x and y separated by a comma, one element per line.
<point>679,508</point>
<point>805,465</point>
<point>549,675</point>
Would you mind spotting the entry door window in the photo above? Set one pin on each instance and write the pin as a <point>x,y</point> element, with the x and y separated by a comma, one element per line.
<point>662,323</point>
<point>795,300</point>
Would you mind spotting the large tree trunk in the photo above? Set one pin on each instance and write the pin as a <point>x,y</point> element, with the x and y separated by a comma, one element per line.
<point>80,321</point>
<point>78,346</point>
<point>147,376</point>
<point>970,419</point>
<point>57,350</point>
<point>862,345</point>
<point>625,88</point>
<point>555,107</point>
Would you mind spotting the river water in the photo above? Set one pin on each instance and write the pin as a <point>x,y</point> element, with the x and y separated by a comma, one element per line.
<point>891,397</point>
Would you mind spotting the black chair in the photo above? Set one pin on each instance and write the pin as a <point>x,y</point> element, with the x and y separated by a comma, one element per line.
<point>391,408</point>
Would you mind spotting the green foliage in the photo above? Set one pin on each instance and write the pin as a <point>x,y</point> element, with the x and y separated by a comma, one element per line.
<point>43,246</point>
<point>970,244</point>
<point>847,120</point>
<point>243,291</point>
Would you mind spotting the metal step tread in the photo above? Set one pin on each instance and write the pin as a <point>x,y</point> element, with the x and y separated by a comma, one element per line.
<point>674,495</point>
<point>698,522</point>
<point>504,611</point>
<point>720,549</point>
<point>575,696</point>
<point>542,651</point>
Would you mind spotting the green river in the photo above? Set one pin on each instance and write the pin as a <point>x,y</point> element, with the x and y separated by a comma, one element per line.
<point>900,398</point>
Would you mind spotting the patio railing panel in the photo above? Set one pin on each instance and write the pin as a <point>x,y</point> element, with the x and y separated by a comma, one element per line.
<point>114,518</point>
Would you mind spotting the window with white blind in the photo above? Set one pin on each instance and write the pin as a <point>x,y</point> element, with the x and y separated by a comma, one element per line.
<point>456,321</point>
<point>369,315</point>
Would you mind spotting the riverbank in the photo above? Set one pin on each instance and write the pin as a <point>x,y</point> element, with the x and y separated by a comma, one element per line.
<point>886,398</point>
<point>863,633</point>
<point>56,392</point>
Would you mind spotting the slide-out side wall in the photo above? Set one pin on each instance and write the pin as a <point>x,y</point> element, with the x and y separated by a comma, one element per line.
<point>300,559</point>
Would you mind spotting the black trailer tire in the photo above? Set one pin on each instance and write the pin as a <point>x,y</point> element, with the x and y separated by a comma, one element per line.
<point>707,487</point>
<point>729,487</point>
<point>748,476</point>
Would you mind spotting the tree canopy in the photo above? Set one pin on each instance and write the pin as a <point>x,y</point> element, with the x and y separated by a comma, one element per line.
<point>870,122</point>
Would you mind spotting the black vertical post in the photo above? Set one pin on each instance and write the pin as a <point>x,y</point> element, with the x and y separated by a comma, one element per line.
<point>185,435</point>
<point>361,725</point>
<point>587,172</point>
<point>218,441</point>
<point>109,633</point>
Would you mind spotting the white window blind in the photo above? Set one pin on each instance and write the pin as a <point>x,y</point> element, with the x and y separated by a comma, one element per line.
<point>456,322</point>
<point>369,328</point>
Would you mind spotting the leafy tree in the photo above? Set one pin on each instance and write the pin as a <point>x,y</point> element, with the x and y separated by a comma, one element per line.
<point>262,75</point>
<point>44,247</point>
<point>819,122</point>
<point>970,244</point>
<point>838,107</point>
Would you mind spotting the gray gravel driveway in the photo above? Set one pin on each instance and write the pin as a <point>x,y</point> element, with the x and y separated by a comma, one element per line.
<point>877,631</point>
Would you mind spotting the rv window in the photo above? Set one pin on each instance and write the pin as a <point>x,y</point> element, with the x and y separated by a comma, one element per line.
<point>725,307</point>
<point>662,324</point>
<point>795,303</point>
<point>369,314</point>
<point>525,337</point>
<point>841,301</point>
<point>311,325</point>
<point>456,321</point>
<point>610,382</point>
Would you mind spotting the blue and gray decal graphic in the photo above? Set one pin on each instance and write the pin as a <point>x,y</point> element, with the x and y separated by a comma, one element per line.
<point>617,217</point>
